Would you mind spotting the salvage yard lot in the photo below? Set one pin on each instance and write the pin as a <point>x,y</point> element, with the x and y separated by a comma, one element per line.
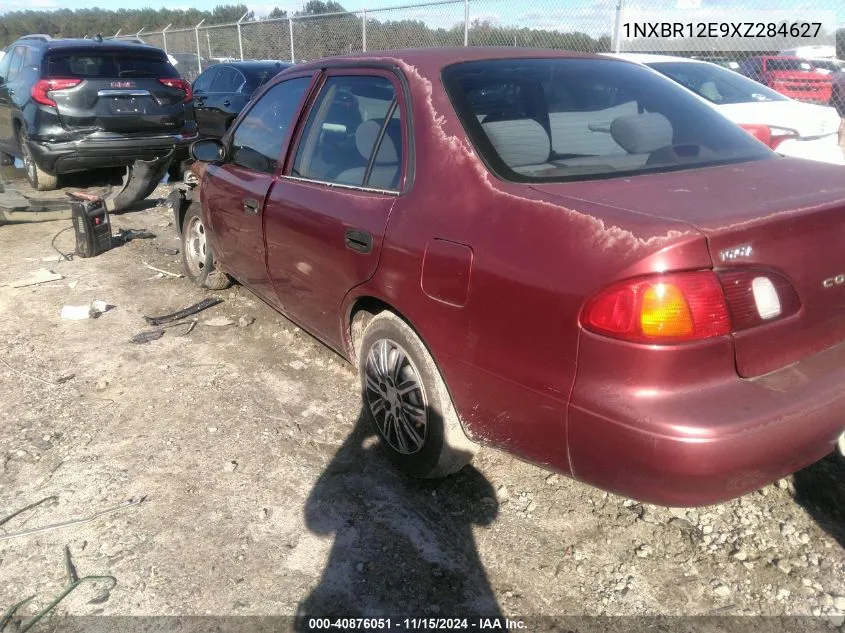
<point>264,495</point>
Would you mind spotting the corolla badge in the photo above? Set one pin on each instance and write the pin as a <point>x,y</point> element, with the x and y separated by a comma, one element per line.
<point>836,280</point>
<point>737,252</point>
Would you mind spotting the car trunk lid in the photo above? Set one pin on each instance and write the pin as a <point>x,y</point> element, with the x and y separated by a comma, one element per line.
<point>783,215</point>
<point>120,91</point>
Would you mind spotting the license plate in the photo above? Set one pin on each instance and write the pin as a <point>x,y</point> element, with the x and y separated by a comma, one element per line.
<point>127,105</point>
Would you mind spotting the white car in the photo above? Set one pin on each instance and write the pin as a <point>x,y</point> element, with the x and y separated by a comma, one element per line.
<point>789,127</point>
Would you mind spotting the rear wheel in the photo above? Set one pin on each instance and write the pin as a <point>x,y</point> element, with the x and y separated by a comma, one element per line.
<point>407,403</point>
<point>38,179</point>
<point>197,256</point>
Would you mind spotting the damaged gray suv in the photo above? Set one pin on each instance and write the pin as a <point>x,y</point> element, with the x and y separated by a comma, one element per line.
<point>70,105</point>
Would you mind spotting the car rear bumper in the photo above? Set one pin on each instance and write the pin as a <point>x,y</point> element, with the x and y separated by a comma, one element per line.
<point>825,149</point>
<point>708,439</point>
<point>102,151</point>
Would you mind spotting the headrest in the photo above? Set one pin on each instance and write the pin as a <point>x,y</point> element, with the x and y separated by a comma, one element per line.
<point>642,133</point>
<point>367,134</point>
<point>519,142</point>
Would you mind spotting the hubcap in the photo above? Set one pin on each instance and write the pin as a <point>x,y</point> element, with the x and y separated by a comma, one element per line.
<point>396,397</point>
<point>195,247</point>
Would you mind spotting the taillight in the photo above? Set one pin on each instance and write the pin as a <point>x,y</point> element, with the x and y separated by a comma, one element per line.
<point>42,88</point>
<point>690,306</point>
<point>771,136</point>
<point>180,84</point>
<point>670,308</point>
<point>756,297</point>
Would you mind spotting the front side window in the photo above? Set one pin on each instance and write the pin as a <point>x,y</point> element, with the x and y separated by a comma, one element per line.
<point>716,84</point>
<point>257,141</point>
<point>353,135</point>
<point>589,118</point>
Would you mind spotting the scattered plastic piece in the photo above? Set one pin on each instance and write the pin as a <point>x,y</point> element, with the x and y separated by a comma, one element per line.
<point>219,322</point>
<point>90,311</point>
<point>42,276</point>
<point>181,314</point>
<point>146,337</point>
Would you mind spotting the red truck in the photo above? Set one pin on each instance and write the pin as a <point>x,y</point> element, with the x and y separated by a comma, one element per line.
<point>791,76</point>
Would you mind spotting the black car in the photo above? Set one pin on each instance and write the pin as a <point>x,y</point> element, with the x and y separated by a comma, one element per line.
<point>69,105</point>
<point>222,91</point>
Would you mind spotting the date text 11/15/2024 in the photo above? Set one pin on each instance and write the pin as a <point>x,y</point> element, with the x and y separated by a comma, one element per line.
<point>415,624</point>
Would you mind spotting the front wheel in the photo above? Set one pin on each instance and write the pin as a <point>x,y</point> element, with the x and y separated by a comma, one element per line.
<point>197,256</point>
<point>407,403</point>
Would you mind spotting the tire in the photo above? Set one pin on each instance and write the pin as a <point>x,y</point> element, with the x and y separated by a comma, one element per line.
<point>426,440</point>
<point>38,179</point>
<point>197,256</point>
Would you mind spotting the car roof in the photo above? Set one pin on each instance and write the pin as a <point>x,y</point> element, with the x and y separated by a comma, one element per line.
<point>254,63</point>
<point>645,58</point>
<point>441,57</point>
<point>79,42</point>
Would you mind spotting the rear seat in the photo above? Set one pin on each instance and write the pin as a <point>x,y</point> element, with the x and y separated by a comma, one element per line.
<point>522,144</point>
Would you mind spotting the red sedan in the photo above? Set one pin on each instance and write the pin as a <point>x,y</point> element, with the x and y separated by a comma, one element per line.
<point>564,256</point>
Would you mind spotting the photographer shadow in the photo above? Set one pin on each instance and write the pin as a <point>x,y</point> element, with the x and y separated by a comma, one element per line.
<point>820,489</point>
<point>403,548</point>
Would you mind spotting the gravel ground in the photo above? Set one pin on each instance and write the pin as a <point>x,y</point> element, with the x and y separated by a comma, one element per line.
<point>265,496</point>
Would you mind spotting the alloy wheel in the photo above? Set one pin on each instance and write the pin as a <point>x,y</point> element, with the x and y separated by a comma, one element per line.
<point>396,397</point>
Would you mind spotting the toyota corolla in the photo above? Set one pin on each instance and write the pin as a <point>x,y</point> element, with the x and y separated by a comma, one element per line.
<point>568,257</point>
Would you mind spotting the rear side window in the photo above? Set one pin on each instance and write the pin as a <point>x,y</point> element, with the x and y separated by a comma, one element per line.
<point>108,66</point>
<point>204,81</point>
<point>588,118</point>
<point>227,80</point>
<point>353,135</point>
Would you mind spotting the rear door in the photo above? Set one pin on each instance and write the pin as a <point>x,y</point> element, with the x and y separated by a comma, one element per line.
<point>222,95</point>
<point>326,218</point>
<point>202,88</point>
<point>9,69</point>
<point>122,89</point>
<point>234,193</point>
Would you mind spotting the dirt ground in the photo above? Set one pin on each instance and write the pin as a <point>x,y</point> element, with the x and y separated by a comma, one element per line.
<point>263,495</point>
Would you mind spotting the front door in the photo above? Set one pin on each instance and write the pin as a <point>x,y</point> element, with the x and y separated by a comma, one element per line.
<point>235,192</point>
<point>326,218</point>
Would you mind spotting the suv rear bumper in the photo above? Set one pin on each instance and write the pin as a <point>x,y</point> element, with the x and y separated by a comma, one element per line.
<point>93,152</point>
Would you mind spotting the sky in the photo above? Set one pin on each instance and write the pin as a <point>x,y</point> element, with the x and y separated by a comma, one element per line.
<point>591,16</point>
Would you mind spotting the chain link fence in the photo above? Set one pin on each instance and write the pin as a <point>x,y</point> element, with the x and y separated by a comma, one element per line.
<point>581,25</point>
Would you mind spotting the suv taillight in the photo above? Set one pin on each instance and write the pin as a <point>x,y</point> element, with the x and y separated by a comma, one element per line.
<point>689,306</point>
<point>180,84</point>
<point>42,89</point>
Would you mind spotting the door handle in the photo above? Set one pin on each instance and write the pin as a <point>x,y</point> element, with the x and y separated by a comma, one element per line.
<point>251,206</point>
<point>227,103</point>
<point>11,93</point>
<point>361,241</point>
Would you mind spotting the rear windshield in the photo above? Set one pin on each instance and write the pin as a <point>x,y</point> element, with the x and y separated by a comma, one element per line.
<point>715,83</point>
<point>108,66</point>
<point>552,120</point>
<point>788,64</point>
